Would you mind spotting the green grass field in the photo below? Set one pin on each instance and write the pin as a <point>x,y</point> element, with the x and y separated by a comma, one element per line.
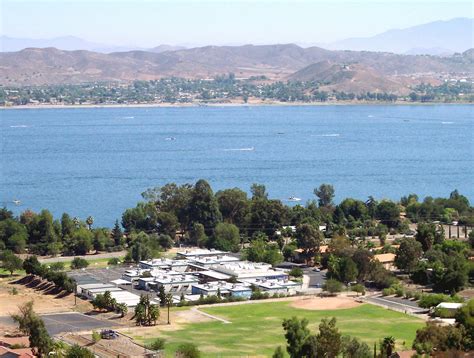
<point>256,328</point>
<point>93,263</point>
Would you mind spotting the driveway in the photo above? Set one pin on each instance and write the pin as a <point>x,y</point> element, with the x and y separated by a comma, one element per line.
<point>316,279</point>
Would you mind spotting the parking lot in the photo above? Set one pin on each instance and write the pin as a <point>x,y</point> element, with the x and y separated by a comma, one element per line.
<point>316,279</point>
<point>106,276</point>
<point>72,322</point>
<point>98,274</point>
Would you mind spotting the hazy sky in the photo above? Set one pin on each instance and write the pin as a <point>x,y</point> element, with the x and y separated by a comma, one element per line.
<point>149,23</point>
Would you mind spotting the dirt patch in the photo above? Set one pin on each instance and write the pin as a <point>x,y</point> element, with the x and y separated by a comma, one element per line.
<point>46,298</point>
<point>190,316</point>
<point>325,303</point>
<point>122,346</point>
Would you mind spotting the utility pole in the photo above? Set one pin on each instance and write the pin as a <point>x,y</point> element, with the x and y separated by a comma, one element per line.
<point>169,302</point>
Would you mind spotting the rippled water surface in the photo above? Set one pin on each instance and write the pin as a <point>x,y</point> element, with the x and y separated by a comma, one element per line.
<point>97,161</point>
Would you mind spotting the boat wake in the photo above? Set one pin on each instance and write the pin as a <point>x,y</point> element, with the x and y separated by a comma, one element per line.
<point>19,126</point>
<point>326,135</point>
<point>447,122</point>
<point>249,149</point>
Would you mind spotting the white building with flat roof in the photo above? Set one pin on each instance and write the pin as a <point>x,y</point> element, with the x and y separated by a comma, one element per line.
<point>208,261</point>
<point>175,284</point>
<point>194,253</point>
<point>272,286</point>
<point>246,269</point>
<point>223,288</point>
<point>165,264</point>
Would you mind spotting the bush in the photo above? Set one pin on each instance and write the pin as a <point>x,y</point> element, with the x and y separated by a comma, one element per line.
<point>187,350</point>
<point>296,272</point>
<point>332,286</point>
<point>95,336</point>
<point>358,288</point>
<point>399,291</point>
<point>79,263</point>
<point>417,295</point>
<point>259,295</point>
<point>157,345</point>
<point>444,313</point>
<point>114,261</point>
<point>387,291</point>
<point>429,300</point>
<point>57,266</point>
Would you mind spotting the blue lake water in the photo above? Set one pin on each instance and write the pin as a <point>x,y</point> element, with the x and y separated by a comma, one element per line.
<point>97,161</point>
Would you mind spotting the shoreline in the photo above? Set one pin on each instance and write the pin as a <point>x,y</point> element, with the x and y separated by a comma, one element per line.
<point>226,104</point>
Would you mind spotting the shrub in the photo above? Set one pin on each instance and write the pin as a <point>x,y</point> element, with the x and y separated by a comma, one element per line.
<point>387,291</point>
<point>444,313</point>
<point>296,272</point>
<point>399,291</point>
<point>187,350</point>
<point>57,266</point>
<point>358,288</point>
<point>429,300</point>
<point>157,345</point>
<point>95,336</point>
<point>79,263</point>
<point>114,261</point>
<point>332,286</point>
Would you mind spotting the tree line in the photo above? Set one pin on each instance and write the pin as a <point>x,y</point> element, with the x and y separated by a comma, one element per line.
<point>221,89</point>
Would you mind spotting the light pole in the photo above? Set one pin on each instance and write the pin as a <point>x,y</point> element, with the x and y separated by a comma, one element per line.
<point>169,302</point>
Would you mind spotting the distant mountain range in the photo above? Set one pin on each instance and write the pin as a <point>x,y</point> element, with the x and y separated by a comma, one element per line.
<point>72,43</point>
<point>352,71</point>
<point>439,38</point>
<point>434,38</point>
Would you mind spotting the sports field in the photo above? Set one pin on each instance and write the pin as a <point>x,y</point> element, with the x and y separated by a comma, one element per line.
<point>255,329</point>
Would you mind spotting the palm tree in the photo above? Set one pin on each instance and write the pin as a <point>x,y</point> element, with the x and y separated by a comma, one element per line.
<point>387,346</point>
<point>371,204</point>
<point>89,221</point>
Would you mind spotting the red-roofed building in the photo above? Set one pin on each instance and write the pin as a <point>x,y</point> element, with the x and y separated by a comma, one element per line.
<point>16,353</point>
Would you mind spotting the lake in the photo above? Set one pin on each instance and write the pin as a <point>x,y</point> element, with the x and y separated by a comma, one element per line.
<point>97,161</point>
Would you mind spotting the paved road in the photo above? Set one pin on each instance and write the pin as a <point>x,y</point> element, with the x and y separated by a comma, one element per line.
<point>396,303</point>
<point>316,279</point>
<point>72,322</point>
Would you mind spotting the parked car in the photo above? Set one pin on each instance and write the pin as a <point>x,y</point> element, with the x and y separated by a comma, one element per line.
<point>108,334</point>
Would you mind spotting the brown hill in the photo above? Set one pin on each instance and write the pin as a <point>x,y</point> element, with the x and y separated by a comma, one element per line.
<point>353,77</point>
<point>51,66</point>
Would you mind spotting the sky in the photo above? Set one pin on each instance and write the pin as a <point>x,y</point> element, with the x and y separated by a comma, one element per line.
<point>147,23</point>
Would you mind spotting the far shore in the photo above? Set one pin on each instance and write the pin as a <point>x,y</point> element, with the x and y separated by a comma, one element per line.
<point>229,104</point>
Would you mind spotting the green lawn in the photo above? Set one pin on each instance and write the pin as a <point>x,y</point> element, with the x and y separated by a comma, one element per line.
<point>256,328</point>
<point>93,263</point>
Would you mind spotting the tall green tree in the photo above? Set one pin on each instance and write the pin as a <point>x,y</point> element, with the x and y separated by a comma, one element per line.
<point>117,234</point>
<point>296,333</point>
<point>203,207</point>
<point>325,194</point>
<point>227,237</point>
<point>329,338</point>
<point>11,262</point>
<point>234,205</point>
<point>408,254</point>
<point>309,239</point>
